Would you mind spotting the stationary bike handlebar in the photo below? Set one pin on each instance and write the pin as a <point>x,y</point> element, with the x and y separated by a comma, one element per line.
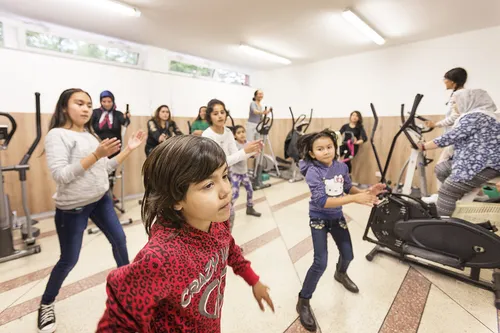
<point>12,130</point>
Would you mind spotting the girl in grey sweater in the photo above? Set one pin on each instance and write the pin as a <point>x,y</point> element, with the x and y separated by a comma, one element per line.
<point>79,164</point>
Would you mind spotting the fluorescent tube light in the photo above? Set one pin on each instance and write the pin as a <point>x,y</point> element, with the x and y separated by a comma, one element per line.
<point>117,7</point>
<point>359,24</point>
<point>265,55</point>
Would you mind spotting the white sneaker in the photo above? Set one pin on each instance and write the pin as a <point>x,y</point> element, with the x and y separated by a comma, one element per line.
<point>46,318</point>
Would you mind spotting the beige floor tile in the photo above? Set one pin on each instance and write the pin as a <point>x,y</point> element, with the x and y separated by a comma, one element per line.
<point>442,314</point>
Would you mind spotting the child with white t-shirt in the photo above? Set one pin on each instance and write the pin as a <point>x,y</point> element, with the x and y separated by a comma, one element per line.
<point>216,118</point>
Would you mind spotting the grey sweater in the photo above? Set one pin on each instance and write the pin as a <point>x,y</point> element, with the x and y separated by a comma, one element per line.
<point>76,187</point>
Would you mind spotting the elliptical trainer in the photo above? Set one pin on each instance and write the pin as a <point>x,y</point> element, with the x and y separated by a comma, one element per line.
<point>286,169</point>
<point>7,251</point>
<point>417,161</point>
<point>263,128</point>
<point>405,226</point>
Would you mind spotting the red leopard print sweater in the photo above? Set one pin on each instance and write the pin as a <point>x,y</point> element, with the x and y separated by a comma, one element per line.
<point>176,283</point>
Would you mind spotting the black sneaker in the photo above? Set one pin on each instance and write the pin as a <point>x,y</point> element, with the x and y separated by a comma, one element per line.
<point>46,318</point>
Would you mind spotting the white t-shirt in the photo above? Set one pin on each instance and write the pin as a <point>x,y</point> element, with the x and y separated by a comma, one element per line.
<point>228,144</point>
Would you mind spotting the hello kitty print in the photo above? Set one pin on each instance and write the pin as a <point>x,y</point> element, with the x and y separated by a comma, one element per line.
<point>334,187</point>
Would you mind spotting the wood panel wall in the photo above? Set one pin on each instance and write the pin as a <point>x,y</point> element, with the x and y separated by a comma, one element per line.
<point>41,187</point>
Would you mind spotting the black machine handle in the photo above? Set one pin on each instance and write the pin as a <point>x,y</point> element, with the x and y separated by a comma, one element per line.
<point>375,125</point>
<point>301,118</point>
<point>267,121</point>
<point>27,156</point>
<point>12,130</point>
<point>406,124</point>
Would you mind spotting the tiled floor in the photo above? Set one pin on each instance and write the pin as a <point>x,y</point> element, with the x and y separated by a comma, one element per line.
<point>394,297</point>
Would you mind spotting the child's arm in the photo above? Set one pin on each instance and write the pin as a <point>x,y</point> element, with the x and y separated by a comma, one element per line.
<point>58,160</point>
<point>235,155</point>
<point>242,267</point>
<point>319,196</point>
<point>135,141</point>
<point>133,293</point>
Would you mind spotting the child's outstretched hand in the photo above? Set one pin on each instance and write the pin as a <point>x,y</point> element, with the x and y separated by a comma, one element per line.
<point>261,292</point>
<point>136,139</point>
<point>377,189</point>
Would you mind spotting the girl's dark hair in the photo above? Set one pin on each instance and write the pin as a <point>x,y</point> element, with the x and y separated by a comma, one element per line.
<point>60,118</point>
<point>166,183</point>
<point>210,109</point>
<point>156,115</point>
<point>306,142</point>
<point>255,94</point>
<point>199,111</point>
<point>360,118</point>
<point>236,128</point>
<point>458,76</point>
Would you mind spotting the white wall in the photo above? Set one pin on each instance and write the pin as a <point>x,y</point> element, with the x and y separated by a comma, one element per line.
<point>23,73</point>
<point>387,77</point>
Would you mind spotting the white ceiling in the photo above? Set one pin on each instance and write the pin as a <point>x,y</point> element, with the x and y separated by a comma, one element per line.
<point>301,30</point>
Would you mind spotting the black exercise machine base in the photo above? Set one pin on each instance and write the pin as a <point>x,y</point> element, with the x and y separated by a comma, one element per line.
<point>96,230</point>
<point>472,279</point>
<point>30,250</point>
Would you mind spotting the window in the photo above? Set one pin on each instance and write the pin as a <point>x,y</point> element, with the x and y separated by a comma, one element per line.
<point>80,48</point>
<point>220,75</point>
<point>181,67</point>
<point>232,77</point>
<point>1,34</point>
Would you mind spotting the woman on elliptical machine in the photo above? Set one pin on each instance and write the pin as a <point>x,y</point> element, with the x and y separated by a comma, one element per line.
<point>476,130</point>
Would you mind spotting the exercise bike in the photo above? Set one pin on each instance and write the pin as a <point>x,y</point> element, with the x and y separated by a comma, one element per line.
<point>410,229</point>
<point>286,168</point>
<point>29,233</point>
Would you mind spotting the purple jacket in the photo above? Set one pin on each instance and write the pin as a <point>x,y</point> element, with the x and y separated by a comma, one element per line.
<point>324,182</point>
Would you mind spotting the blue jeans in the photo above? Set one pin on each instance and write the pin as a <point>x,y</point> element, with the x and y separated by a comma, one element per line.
<point>320,230</point>
<point>70,226</point>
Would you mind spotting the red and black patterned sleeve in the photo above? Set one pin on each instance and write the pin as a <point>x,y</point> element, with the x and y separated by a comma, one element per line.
<point>134,292</point>
<point>239,264</point>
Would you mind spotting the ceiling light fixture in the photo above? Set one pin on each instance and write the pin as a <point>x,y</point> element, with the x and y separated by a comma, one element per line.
<point>265,55</point>
<point>117,7</point>
<point>359,24</point>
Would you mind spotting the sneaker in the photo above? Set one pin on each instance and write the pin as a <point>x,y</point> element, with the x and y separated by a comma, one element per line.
<point>46,318</point>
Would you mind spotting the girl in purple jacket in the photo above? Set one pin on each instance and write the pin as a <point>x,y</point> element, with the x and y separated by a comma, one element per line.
<point>331,188</point>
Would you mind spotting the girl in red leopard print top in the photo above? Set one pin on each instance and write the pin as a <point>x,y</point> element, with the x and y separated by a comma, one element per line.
<point>176,283</point>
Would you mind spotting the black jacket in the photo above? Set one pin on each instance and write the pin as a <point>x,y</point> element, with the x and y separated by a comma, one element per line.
<point>155,131</point>
<point>115,131</point>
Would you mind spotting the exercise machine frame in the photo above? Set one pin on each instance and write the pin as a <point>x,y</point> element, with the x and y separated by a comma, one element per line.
<point>401,225</point>
<point>263,128</point>
<point>7,250</point>
<point>289,170</point>
<point>418,160</point>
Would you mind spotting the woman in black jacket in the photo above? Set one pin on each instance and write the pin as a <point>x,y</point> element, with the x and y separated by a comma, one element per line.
<point>160,128</point>
<point>355,132</point>
<point>107,123</point>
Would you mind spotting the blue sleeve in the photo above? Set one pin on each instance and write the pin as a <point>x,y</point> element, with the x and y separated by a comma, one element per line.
<point>317,187</point>
<point>347,180</point>
<point>464,128</point>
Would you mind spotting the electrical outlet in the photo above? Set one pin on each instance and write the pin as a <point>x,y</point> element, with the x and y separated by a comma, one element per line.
<point>378,174</point>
